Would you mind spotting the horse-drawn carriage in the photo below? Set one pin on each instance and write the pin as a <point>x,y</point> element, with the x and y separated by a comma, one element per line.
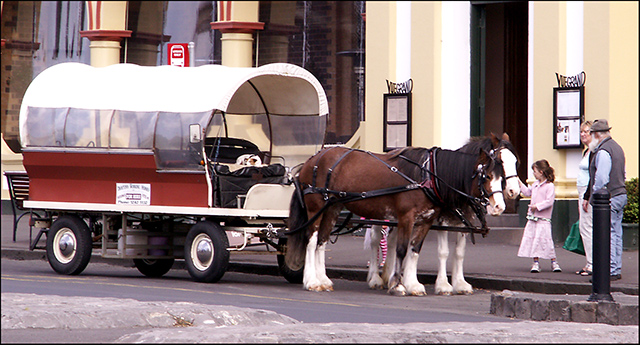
<point>162,163</point>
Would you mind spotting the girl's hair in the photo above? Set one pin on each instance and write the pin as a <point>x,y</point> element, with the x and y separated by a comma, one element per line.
<point>546,169</point>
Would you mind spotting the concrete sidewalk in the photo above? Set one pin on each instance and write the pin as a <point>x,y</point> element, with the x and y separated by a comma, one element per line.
<point>489,264</point>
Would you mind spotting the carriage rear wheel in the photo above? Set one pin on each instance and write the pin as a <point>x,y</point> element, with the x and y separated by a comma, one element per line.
<point>205,252</point>
<point>292,276</point>
<point>153,267</point>
<point>69,245</point>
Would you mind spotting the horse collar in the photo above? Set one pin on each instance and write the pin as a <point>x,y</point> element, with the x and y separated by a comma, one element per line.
<point>429,183</point>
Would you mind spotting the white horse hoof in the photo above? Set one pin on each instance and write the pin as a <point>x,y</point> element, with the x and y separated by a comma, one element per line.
<point>463,288</point>
<point>418,293</point>
<point>444,289</point>
<point>376,283</point>
<point>398,290</point>
<point>313,286</point>
<point>326,284</point>
<point>416,289</point>
<point>464,291</point>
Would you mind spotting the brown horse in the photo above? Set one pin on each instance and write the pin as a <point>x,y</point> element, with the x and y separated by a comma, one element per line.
<point>506,153</point>
<point>394,186</point>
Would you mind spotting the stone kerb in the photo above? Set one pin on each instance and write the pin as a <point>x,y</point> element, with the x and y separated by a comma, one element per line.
<point>572,308</point>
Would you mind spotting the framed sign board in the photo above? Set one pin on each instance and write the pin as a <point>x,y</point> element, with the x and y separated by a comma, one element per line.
<point>568,115</point>
<point>397,121</point>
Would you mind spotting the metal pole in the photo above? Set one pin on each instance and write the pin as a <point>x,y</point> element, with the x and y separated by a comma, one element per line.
<point>601,281</point>
<point>192,54</point>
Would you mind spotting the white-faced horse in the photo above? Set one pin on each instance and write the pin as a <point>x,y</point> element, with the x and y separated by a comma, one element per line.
<point>397,186</point>
<point>506,153</point>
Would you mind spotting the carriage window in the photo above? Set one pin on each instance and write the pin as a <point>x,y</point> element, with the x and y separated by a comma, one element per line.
<point>172,140</point>
<point>302,139</point>
<point>132,129</point>
<point>87,128</point>
<point>45,126</point>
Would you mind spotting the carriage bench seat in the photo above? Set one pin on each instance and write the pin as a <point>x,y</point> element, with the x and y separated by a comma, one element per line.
<point>18,182</point>
<point>229,184</point>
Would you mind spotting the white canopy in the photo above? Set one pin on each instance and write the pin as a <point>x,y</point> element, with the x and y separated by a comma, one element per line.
<point>285,89</point>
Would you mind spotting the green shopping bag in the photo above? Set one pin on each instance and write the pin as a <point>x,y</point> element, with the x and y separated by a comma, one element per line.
<point>573,243</point>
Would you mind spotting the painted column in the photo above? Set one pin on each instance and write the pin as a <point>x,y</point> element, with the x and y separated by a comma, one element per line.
<point>237,21</point>
<point>106,28</point>
<point>456,64</point>
<point>575,48</point>
<point>403,41</point>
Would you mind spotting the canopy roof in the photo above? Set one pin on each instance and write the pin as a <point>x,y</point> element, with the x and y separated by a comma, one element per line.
<point>279,89</point>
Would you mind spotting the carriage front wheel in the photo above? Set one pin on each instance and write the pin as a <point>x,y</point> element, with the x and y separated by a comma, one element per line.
<point>69,245</point>
<point>205,252</point>
<point>292,276</point>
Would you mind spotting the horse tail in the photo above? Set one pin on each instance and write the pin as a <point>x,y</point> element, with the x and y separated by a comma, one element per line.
<point>297,240</point>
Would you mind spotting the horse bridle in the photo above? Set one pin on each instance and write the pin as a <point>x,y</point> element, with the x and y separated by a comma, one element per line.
<point>499,151</point>
<point>481,171</point>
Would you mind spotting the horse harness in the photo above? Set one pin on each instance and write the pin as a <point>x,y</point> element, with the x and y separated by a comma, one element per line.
<point>430,186</point>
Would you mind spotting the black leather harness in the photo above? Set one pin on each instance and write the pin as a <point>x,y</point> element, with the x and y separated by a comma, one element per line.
<point>429,185</point>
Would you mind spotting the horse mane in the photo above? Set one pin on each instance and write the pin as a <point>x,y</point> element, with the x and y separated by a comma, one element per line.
<point>456,169</point>
<point>453,167</point>
<point>475,144</point>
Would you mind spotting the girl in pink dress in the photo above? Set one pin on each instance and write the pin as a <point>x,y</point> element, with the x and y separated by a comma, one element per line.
<point>537,241</point>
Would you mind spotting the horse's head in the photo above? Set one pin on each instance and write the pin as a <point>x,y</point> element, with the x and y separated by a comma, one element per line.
<point>489,173</point>
<point>506,153</point>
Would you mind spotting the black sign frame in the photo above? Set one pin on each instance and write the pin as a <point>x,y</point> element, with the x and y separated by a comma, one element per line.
<point>568,115</point>
<point>397,121</point>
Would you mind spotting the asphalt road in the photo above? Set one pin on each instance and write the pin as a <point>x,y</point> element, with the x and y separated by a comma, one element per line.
<point>41,306</point>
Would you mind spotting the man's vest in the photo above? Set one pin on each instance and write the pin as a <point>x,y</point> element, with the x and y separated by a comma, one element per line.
<point>616,175</point>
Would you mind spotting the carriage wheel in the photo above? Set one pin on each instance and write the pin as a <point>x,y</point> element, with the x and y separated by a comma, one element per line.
<point>205,252</point>
<point>69,245</point>
<point>292,276</point>
<point>153,267</point>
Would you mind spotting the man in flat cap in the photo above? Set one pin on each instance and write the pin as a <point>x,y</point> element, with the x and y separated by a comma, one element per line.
<point>607,170</point>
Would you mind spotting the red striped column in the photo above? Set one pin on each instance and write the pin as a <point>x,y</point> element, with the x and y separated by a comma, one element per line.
<point>106,29</point>
<point>237,21</point>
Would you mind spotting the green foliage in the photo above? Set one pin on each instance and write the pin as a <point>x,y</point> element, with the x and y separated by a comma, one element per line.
<point>631,209</point>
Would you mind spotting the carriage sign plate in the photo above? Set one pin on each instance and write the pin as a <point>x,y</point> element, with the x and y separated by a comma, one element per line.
<point>133,193</point>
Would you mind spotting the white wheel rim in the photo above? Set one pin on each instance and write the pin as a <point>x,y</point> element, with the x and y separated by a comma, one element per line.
<point>202,252</point>
<point>64,245</point>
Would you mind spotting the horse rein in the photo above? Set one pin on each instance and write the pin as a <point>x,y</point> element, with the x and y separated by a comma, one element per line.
<point>345,197</point>
<point>484,200</point>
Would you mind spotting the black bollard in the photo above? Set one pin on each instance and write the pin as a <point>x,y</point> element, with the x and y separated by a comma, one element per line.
<point>601,281</point>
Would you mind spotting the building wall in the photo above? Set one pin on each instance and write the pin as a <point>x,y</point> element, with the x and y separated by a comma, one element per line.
<point>623,80</point>
<point>610,60</point>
